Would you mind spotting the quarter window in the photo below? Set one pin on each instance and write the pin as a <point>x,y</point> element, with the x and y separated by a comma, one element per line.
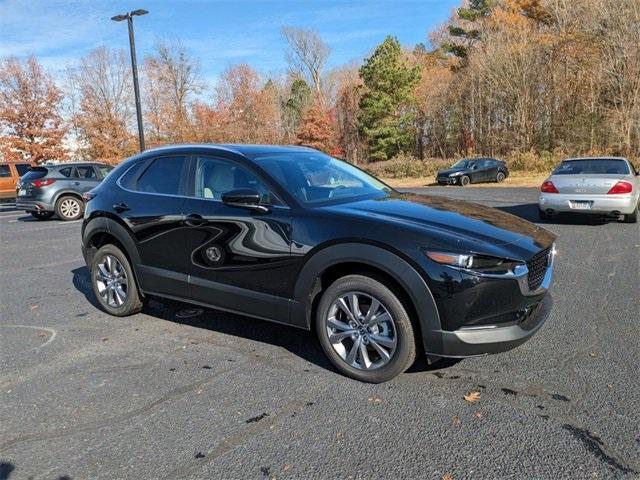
<point>66,172</point>
<point>162,176</point>
<point>214,177</point>
<point>4,171</point>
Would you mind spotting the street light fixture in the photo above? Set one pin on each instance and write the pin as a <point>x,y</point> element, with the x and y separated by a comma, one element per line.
<point>134,67</point>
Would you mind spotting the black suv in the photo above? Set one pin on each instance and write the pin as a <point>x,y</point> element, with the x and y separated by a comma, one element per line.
<point>473,170</point>
<point>291,235</point>
<point>58,189</point>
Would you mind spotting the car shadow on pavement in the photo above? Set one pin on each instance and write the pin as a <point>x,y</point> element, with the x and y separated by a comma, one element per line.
<point>298,342</point>
<point>529,211</point>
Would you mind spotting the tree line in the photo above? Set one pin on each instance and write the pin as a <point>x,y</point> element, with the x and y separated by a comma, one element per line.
<point>500,76</point>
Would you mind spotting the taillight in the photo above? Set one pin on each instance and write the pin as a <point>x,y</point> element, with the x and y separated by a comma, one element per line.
<point>621,187</point>
<point>548,187</point>
<point>43,183</point>
<point>88,196</point>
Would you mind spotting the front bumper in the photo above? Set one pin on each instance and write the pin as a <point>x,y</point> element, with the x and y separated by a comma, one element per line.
<point>33,205</point>
<point>487,339</point>
<point>447,180</point>
<point>599,204</point>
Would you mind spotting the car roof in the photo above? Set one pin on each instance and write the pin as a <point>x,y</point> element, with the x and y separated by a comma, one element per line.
<point>241,149</point>
<point>594,158</point>
<point>71,164</point>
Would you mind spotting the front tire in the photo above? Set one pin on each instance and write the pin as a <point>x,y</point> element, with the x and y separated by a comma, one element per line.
<point>69,208</point>
<point>113,282</point>
<point>465,180</point>
<point>41,215</point>
<point>365,330</point>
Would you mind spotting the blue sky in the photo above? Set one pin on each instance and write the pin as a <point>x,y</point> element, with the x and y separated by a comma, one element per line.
<point>219,33</point>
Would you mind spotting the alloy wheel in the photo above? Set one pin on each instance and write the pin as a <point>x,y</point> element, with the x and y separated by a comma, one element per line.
<point>361,331</point>
<point>112,282</point>
<point>70,208</point>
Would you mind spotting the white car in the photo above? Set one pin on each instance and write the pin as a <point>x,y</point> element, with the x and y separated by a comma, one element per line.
<point>595,185</point>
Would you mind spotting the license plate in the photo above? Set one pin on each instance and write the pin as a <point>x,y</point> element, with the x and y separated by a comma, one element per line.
<point>581,205</point>
<point>22,191</point>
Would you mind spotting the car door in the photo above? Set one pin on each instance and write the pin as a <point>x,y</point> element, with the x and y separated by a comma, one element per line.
<point>490,170</point>
<point>85,177</point>
<point>240,259</point>
<point>150,201</point>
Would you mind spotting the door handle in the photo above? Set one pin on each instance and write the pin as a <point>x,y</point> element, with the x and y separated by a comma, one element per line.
<point>76,183</point>
<point>120,207</point>
<point>194,220</point>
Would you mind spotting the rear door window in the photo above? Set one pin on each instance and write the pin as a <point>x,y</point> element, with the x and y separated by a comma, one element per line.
<point>4,171</point>
<point>163,176</point>
<point>85,172</point>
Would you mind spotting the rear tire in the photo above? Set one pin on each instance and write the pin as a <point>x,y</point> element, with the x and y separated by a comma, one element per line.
<point>390,344</point>
<point>500,177</point>
<point>465,180</point>
<point>542,215</point>
<point>113,282</point>
<point>632,217</point>
<point>41,215</point>
<point>69,208</point>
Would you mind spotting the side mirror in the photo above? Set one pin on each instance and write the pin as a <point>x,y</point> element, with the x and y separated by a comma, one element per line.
<point>474,167</point>
<point>244,198</point>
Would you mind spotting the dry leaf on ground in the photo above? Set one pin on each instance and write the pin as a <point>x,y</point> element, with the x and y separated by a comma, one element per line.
<point>472,397</point>
<point>375,399</point>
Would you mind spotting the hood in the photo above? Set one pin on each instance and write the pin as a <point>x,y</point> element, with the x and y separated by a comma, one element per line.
<point>456,217</point>
<point>449,171</point>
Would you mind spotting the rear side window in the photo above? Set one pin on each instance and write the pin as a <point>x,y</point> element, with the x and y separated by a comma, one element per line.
<point>65,172</point>
<point>22,168</point>
<point>162,176</point>
<point>4,171</point>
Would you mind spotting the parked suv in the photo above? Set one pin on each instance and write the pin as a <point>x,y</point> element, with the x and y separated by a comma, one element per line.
<point>58,189</point>
<point>291,235</point>
<point>10,173</point>
<point>473,170</point>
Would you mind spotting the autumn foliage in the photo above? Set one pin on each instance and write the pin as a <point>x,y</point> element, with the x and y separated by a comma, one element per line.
<point>31,127</point>
<point>529,80</point>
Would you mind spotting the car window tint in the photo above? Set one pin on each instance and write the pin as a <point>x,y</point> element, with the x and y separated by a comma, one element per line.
<point>22,168</point>
<point>599,166</point>
<point>128,180</point>
<point>86,172</point>
<point>65,172</point>
<point>4,171</point>
<point>162,176</point>
<point>215,177</point>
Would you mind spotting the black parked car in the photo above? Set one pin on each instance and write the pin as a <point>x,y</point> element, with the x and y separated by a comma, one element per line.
<point>291,235</point>
<point>58,189</point>
<point>473,170</point>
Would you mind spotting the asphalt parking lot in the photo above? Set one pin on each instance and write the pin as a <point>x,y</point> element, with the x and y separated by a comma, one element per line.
<point>173,393</point>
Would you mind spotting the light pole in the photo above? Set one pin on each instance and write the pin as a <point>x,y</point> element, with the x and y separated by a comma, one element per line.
<point>134,67</point>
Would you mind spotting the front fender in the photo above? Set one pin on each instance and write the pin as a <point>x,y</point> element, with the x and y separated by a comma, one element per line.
<point>402,272</point>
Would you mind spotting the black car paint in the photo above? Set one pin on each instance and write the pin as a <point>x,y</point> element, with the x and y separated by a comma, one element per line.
<point>273,261</point>
<point>477,173</point>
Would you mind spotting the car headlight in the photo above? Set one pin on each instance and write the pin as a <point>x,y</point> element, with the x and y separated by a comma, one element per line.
<point>483,264</point>
<point>455,174</point>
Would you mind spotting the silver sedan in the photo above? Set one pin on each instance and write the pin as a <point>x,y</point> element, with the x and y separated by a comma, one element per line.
<point>601,186</point>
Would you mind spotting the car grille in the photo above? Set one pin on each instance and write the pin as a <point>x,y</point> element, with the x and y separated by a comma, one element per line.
<point>537,268</point>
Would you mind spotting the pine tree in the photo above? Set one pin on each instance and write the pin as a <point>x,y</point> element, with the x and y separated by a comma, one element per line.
<point>386,106</point>
<point>296,104</point>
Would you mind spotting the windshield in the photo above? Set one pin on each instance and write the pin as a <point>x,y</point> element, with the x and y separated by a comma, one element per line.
<point>313,177</point>
<point>463,164</point>
<point>593,167</point>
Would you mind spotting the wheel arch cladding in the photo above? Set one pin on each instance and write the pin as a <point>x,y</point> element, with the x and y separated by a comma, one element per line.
<point>378,258</point>
<point>104,229</point>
